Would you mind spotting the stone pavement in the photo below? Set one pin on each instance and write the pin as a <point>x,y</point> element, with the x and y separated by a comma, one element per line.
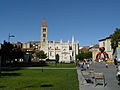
<point>110,81</point>
<point>83,85</point>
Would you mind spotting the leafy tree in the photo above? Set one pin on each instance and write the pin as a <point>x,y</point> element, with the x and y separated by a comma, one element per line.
<point>9,53</point>
<point>115,37</point>
<point>89,55</point>
<point>84,55</point>
<point>80,56</point>
<point>6,52</point>
<point>18,53</point>
<point>40,54</point>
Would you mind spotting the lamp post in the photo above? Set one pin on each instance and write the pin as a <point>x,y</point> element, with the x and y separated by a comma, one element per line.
<point>9,36</point>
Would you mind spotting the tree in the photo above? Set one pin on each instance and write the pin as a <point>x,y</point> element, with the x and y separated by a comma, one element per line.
<point>115,38</point>
<point>6,52</point>
<point>9,53</point>
<point>57,58</point>
<point>89,55</point>
<point>40,54</point>
<point>80,56</point>
<point>18,53</point>
<point>84,55</point>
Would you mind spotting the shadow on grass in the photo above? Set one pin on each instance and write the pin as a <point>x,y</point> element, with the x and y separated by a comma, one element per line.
<point>1,87</point>
<point>27,64</point>
<point>35,86</point>
<point>47,85</point>
<point>10,68</point>
<point>10,74</point>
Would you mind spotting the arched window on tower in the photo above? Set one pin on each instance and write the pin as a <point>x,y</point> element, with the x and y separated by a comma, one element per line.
<point>43,40</point>
<point>44,29</point>
<point>44,35</point>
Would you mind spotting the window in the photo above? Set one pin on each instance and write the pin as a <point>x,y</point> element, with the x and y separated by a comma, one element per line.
<point>50,53</point>
<point>44,29</point>
<point>70,47</point>
<point>44,35</point>
<point>43,40</point>
<point>103,44</point>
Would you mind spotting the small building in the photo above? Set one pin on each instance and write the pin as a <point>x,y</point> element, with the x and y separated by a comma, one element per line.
<point>84,49</point>
<point>31,44</point>
<point>94,49</point>
<point>106,43</point>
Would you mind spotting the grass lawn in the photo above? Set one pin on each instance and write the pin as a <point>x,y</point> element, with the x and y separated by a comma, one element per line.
<point>37,80</point>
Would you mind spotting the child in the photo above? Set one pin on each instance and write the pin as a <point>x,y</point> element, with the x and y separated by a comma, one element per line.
<point>106,65</point>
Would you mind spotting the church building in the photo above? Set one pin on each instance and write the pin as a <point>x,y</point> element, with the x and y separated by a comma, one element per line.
<point>66,51</point>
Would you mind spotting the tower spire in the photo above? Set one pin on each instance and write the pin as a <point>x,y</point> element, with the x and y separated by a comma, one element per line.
<point>44,24</point>
<point>72,39</point>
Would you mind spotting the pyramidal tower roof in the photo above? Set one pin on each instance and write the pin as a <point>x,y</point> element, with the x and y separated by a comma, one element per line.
<point>44,24</point>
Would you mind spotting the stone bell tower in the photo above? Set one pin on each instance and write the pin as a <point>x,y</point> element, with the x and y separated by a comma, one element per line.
<point>44,33</point>
<point>44,37</point>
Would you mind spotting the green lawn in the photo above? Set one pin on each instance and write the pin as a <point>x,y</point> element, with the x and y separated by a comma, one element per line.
<point>38,80</point>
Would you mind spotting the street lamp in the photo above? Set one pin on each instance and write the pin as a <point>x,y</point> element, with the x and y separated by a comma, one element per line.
<point>9,36</point>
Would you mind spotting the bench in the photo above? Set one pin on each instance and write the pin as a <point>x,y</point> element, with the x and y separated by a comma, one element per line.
<point>88,75</point>
<point>99,78</point>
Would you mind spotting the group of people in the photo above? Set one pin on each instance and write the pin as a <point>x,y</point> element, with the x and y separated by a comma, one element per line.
<point>118,73</point>
<point>85,64</point>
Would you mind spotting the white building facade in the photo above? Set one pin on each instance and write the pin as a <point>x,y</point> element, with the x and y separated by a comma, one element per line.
<point>106,43</point>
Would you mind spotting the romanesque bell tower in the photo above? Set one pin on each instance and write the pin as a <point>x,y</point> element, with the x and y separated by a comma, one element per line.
<point>44,33</point>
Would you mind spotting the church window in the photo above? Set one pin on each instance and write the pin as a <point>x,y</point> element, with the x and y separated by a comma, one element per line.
<point>70,47</point>
<point>50,53</point>
<point>72,53</point>
<point>44,29</point>
<point>56,48</point>
<point>44,35</point>
<point>70,57</point>
<point>43,40</point>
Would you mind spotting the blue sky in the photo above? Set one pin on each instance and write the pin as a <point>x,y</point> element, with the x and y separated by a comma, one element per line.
<point>87,20</point>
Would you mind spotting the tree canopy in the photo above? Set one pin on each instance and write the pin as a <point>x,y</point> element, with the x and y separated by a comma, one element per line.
<point>115,38</point>
<point>40,54</point>
<point>10,52</point>
<point>84,55</point>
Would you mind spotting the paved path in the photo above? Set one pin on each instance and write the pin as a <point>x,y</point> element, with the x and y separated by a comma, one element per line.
<point>45,68</point>
<point>110,78</point>
<point>35,68</point>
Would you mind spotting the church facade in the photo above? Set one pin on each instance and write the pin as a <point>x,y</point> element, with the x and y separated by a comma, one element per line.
<point>66,51</point>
